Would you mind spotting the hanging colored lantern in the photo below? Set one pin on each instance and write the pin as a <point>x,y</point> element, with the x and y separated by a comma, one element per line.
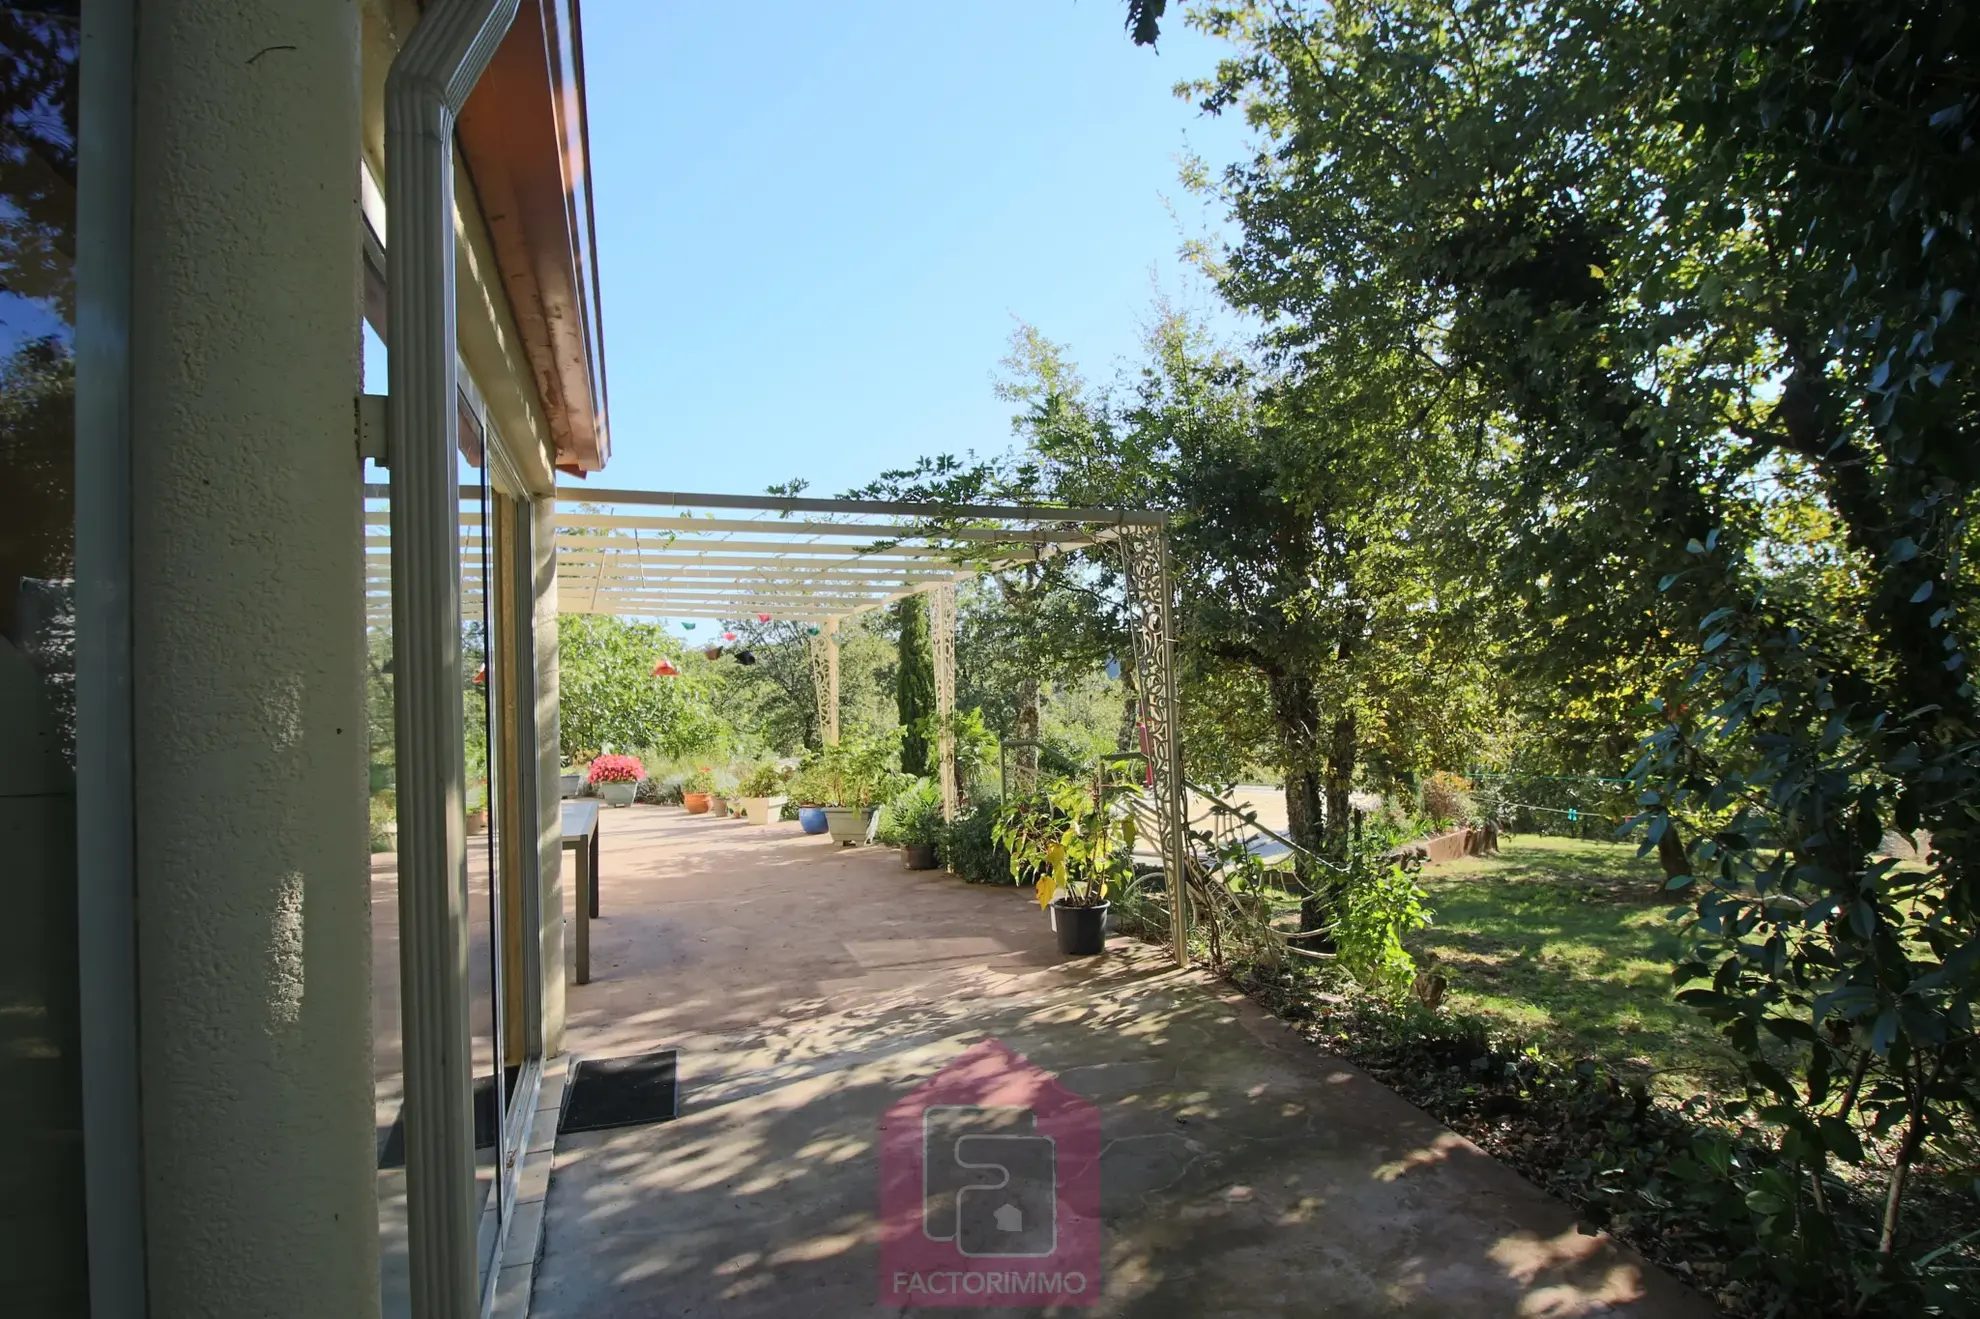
<point>745,657</point>
<point>688,626</point>
<point>713,652</point>
<point>665,669</point>
<point>812,628</point>
<point>763,618</point>
<point>728,636</point>
<point>481,674</point>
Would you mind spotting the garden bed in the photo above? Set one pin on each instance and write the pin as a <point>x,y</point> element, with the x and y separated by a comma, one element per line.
<point>1560,1050</point>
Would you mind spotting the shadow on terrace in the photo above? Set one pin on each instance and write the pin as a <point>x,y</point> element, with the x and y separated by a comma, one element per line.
<point>808,988</point>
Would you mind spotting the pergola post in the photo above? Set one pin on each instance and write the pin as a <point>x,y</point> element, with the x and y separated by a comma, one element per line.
<point>825,680</point>
<point>1152,604</point>
<point>942,631</point>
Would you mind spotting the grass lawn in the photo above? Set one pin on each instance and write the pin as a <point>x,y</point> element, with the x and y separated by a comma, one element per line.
<point>1566,941</point>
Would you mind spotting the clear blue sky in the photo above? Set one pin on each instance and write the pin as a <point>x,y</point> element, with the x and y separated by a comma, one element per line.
<point>819,224</point>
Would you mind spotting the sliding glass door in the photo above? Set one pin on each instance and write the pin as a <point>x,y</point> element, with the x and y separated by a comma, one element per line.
<point>499,880</point>
<point>499,721</point>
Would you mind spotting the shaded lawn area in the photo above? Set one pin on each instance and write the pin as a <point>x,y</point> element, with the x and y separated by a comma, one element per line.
<point>1566,942</point>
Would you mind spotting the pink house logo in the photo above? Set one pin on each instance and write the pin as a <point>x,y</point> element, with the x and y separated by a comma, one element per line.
<point>990,1188</point>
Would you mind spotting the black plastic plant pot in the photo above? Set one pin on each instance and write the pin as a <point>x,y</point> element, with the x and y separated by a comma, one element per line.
<point>919,856</point>
<point>1082,930</point>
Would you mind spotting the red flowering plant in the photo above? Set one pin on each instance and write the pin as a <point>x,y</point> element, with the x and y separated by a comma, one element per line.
<point>617,769</point>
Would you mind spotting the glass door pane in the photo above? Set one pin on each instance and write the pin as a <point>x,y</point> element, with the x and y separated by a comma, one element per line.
<point>41,1171</point>
<point>482,728</point>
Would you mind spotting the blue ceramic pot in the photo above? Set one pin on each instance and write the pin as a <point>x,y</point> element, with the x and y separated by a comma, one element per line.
<point>812,819</point>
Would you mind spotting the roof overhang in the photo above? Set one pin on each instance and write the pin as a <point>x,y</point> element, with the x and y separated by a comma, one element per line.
<point>523,137</point>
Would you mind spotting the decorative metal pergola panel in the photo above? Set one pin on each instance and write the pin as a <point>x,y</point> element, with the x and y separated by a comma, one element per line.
<point>665,554</point>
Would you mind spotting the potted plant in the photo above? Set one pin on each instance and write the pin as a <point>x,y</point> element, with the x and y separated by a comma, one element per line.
<point>911,821</point>
<point>1080,848</point>
<point>616,779</point>
<point>572,782</point>
<point>722,789</point>
<point>851,778</point>
<point>477,814</point>
<point>762,790</point>
<point>803,788</point>
<point>694,792</point>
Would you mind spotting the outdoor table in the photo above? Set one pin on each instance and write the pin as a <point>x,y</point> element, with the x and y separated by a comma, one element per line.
<point>581,836</point>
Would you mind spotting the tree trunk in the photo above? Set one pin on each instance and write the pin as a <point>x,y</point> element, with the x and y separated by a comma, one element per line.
<point>1340,778</point>
<point>1296,707</point>
<point>1024,761</point>
<point>1670,850</point>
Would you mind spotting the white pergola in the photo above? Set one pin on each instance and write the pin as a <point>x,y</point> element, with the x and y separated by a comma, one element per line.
<point>667,554</point>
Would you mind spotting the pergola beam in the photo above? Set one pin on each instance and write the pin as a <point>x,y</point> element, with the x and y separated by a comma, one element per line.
<point>799,504</point>
<point>702,527</point>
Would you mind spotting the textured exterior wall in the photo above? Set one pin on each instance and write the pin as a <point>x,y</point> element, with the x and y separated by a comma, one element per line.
<point>249,721</point>
<point>543,543</point>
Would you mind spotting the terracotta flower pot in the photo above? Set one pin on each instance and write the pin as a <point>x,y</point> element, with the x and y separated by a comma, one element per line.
<point>696,802</point>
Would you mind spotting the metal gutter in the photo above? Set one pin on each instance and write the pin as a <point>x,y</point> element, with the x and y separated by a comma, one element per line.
<point>428,84</point>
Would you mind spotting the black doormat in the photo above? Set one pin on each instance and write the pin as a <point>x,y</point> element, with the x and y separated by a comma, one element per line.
<point>621,1092</point>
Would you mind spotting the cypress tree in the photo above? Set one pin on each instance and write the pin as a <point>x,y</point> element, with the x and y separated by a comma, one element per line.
<point>914,687</point>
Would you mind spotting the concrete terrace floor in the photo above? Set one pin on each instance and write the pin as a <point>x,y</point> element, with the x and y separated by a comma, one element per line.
<point>808,988</point>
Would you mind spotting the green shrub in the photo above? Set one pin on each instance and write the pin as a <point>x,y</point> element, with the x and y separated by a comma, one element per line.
<point>384,820</point>
<point>765,780</point>
<point>1375,904</point>
<point>855,771</point>
<point>1080,842</point>
<point>970,848</point>
<point>912,817</point>
<point>1447,799</point>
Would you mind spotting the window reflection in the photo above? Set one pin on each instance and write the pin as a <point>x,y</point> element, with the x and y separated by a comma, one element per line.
<point>41,1254</point>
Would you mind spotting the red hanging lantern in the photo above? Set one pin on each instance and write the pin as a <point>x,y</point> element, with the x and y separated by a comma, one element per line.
<point>763,618</point>
<point>728,636</point>
<point>481,674</point>
<point>665,669</point>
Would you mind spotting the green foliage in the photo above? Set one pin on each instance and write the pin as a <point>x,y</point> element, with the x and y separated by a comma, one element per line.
<point>765,780</point>
<point>1376,902</point>
<point>1689,279</point>
<point>856,771</point>
<point>609,698</point>
<point>975,749</point>
<point>384,820</point>
<point>912,817</point>
<point>665,790</point>
<point>1074,839</point>
<point>914,687</point>
<point>1446,799</point>
<point>970,848</point>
